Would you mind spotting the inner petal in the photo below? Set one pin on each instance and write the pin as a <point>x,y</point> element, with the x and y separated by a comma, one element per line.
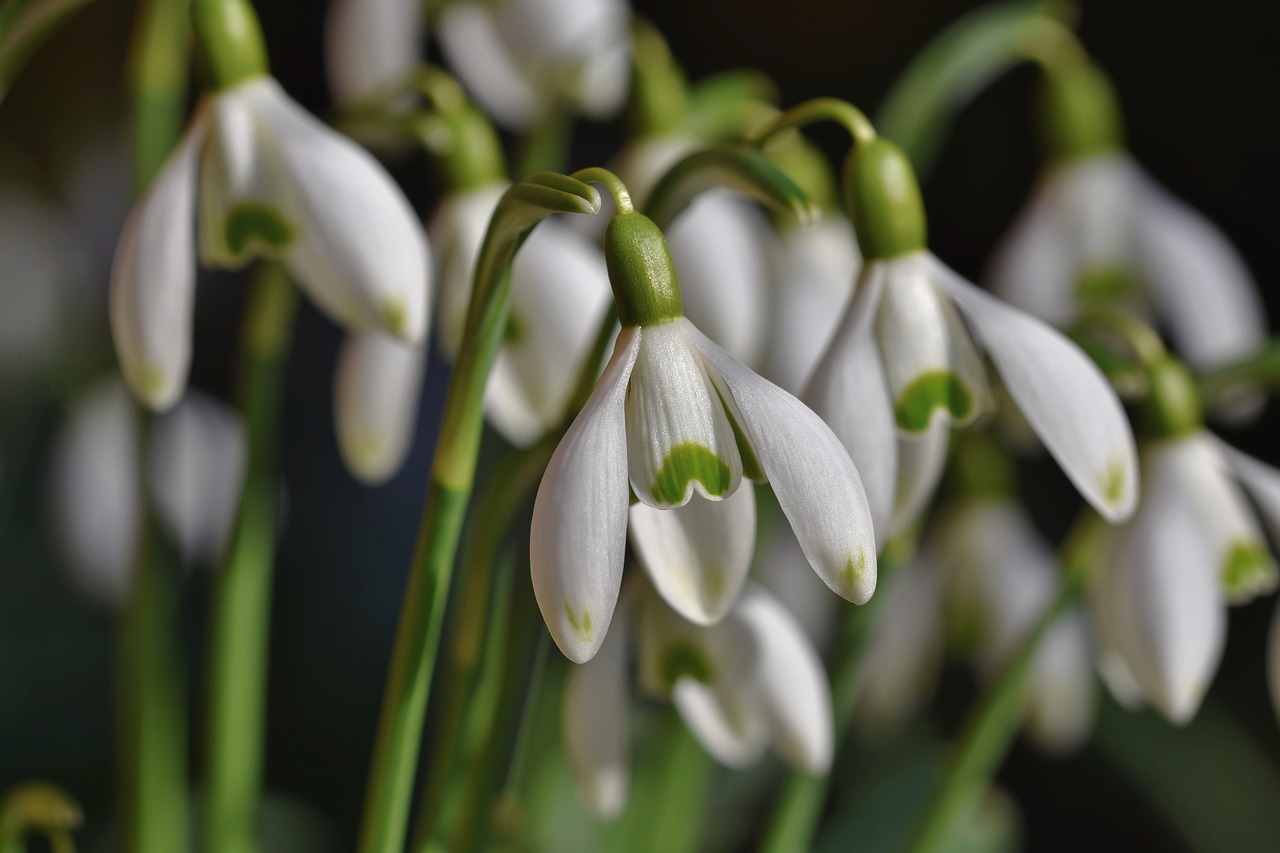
<point>678,435</point>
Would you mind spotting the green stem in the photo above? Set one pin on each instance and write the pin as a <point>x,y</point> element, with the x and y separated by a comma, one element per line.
<point>834,110</point>
<point>545,147</point>
<point>241,607</point>
<point>158,70</point>
<point>990,730</point>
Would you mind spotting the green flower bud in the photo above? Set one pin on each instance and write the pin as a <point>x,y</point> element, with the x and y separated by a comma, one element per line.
<point>1172,409</point>
<point>474,157</point>
<point>641,271</point>
<point>231,39</point>
<point>1080,112</point>
<point>884,200</point>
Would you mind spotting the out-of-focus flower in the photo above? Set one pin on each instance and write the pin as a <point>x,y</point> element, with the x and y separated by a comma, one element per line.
<point>273,182</point>
<point>371,45</point>
<point>747,683</point>
<point>674,414</point>
<point>376,391</point>
<point>521,58</point>
<point>783,570</point>
<point>1273,661</point>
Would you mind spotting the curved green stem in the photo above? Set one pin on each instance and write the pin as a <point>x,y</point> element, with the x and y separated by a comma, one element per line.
<point>611,182</point>
<point>742,168</point>
<point>241,606</point>
<point>1141,339</point>
<point>834,110</point>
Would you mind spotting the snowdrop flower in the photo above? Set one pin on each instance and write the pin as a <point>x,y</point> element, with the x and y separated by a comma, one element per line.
<point>270,181</point>
<point>750,682</point>
<point>674,414</point>
<point>520,59</point>
<point>371,45</point>
<point>904,364</point>
<point>1160,598</point>
<point>1098,228</point>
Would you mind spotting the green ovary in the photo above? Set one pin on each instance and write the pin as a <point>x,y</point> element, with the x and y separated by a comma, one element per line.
<point>938,389</point>
<point>685,463</point>
<point>684,659</point>
<point>250,221</point>
<point>1247,570</point>
<point>1103,286</point>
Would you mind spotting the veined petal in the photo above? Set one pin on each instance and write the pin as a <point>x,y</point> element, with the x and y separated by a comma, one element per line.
<point>579,529</point>
<point>195,468</point>
<point>153,279</point>
<point>375,403</point>
<point>1063,395</point>
<point>818,261</point>
<point>921,460</point>
<point>559,295</point>
<point>457,232</point>
<point>847,390</point>
<point>720,246</point>
<point>1034,267</point>
<point>812,476</point>
<point>596,719</point>
<point>931,366</point>
<point>360,252</point>
<point>791,683</point>
<point>475,51</point>
<point>698,555</point>
<point>370,44</point>
<point>679,436</point>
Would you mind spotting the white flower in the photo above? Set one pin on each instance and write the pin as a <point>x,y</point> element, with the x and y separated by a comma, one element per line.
<point>1098,224</point>
<point>903,364</point>
<point>273,182</point>
<point>1160,597</point>
<point>741,685</point>
<point>376,391</point>
<point>520,58</point>
<point>371,44</point>
<point>674,414</point>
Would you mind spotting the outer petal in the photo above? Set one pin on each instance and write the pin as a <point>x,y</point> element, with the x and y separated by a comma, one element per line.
<point>791,683</point>
<point>360,251</point>
<point>1062,394</point>
<point>375,403</point>
<point>457,231</point>
<point>195,468</point>
<point>578,534</point>
<point>596,719</point>
<point>698,556</point>
<point>931,366</point>
<point>1099,201</point>
<point>848,391</point>
<point>678,435</point>
<point>474,49</point>
<point>559,295</point>
<point>1259,479</point>
<point>153,280</point>
<point>371,44</point>
<point>921,461</point>
<point>1034,267</point>
<point>723,719</point>
<point>816,484</point>
<point>720,246</point>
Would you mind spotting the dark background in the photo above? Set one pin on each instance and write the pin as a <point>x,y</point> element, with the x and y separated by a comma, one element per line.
<point>1198,85</point>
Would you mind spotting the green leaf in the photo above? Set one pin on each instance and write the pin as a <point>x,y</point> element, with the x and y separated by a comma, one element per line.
<point>742,168</point>
<point>24,26</point>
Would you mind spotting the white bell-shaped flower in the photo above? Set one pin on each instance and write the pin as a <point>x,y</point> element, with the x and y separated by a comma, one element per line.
<point>370,45</point>
<point>742,685</point>
<point>1097,225</point>
<point>521,58</point>
<point>377,388</point>
<point>270,181</point>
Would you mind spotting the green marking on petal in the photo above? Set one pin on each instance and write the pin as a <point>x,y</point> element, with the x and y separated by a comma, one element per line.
<point>751,468</point>
<point>1113,483</point>
<point>937,389</point>
<point>684,659</point>
<point>581,623</point>
<point>151,380</point>
<point>1247,570</point>
<point>394,315</point>
<point>250,221</point>
<point>515,329</point>
<point>854,570</point>
<point>685,463</point>
<point>1104,286</point>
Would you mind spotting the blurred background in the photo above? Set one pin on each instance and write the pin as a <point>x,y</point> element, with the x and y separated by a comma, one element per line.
<point>1197,84</point>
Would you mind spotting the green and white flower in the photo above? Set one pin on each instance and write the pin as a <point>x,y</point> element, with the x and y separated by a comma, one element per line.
<point>742,685</point>
<point>270,181</point>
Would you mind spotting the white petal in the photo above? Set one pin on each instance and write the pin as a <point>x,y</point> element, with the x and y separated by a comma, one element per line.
<point>475,51</point>
<point>678,435</point>
<point>559,296</point>
<point>1034,267</point>
<point>153,279</point>
<point>596,719</point>
<point>848,391</point>
<point>375,403</point>
<point>457,231</point>
<point>97,494</point>
<point>1273,661</point>
<point>921,461</point>
<point>698,555</point>
<point>812,476</point>
<point>360,251</point>
<point>1063,695</point>
<point>784,571</point>
<point>791,682</point>
<point>720,246</point>
<point>196,463</point>
<point>1100,208</point>
<point>722,719</point>
<point>818,262</point>
<point>370,44</point>
<point>600,85</point>
<point>932,369</point>
<point>1063,395</point>
<point>578,534</point>
<point>1261,481</point>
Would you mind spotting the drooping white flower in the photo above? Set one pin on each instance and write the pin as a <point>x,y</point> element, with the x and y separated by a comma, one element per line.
<point>1099,225</point>
<point>270,181</point>
<point>903,364</point>
<point>749,682</point>
<point>520,58</point>
<point>376,391</point>
<point>371,44</point>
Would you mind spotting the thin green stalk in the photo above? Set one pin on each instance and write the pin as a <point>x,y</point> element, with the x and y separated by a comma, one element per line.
<point>546,145</point>
<point>990,730</point>
<point>241,607</point>
<point>158,70</point>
